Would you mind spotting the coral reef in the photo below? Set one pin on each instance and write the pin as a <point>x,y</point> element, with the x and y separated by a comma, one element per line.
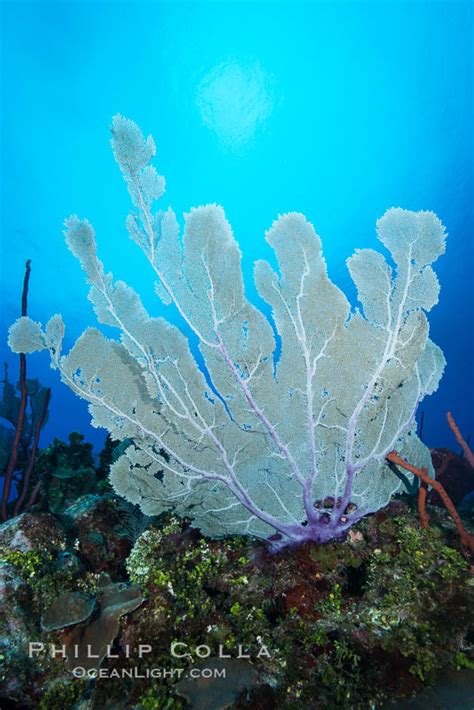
<point>100,532</point>
<point>65,472</point>
<point>88,645</point>
<point>334,626</point>
<point>436,484</point>
<point>166,597</point>
<point>68,609</point>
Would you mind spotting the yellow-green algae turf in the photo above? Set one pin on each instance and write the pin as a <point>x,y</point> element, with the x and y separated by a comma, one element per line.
<point>359,614</point>
<point>348,624</point>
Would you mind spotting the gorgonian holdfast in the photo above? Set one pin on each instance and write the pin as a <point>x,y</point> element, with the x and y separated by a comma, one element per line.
<point>290,448</point>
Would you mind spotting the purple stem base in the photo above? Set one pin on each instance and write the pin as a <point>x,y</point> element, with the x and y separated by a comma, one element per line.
<point>320,531</point>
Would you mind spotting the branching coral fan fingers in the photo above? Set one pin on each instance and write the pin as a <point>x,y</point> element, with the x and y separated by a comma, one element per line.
<point>225,432</point>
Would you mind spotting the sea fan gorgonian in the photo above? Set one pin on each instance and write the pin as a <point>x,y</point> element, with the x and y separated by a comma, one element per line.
<point>290,447</point>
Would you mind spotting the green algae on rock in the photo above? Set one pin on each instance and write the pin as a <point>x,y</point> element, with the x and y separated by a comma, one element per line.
<point>334,626</point>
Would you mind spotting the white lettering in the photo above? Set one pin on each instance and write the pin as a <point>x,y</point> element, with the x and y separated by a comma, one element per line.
<point>263,651</point>
<point>203,654</point>
<point>144,648</point>
<point>89,652</point>
<point>221,653</point>
<point>35,647</point>
<point>240,654</point>
<point>58,651</point>
<point>174,646</point>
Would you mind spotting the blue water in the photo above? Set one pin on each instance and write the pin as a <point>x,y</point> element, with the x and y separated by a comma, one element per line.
<point>344,110</point>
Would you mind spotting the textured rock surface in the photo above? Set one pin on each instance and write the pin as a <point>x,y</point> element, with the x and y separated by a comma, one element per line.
<point>28,532</point>
<point>101,538</point>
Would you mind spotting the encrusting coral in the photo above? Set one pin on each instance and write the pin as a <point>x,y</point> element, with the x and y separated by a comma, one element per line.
<point>293,447</point>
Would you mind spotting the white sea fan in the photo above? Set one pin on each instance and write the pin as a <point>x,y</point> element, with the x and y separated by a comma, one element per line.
<point>242,448</point>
